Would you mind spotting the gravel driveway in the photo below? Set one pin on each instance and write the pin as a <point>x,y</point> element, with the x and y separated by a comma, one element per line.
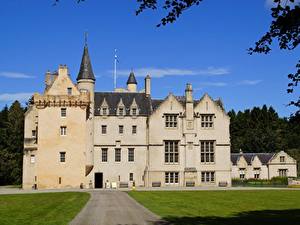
<point>114,208</point>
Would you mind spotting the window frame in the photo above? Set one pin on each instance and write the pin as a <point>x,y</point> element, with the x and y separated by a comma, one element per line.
<point>171,151</point>
<point>32,158</point>
<point>207,121</point>
<point>207,151</point>
<point>208,177</point>
<point>131,154</point>
<point>69,90</point>
<point>62,157</point>
<point>172,178</point>
<point>63,130</point>
<point>134,129</point>
<point>121,109</point>
<point>118,155</point>
<point>104,154</point>
<point>283,172</point>
<point>33,133</point>
<point>171,120</point>
<point>103,129</point>
<point>63,112</point>
<point>104,111</point>
<point>121,129</point>
<point>282,159</point>
<point>131,177</point>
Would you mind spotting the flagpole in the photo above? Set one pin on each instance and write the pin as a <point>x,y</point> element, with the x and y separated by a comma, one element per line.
<point>115,70</point>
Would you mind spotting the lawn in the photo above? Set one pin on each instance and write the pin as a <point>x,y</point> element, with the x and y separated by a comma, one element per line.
<point>259,207</point>
<point>41,209</point>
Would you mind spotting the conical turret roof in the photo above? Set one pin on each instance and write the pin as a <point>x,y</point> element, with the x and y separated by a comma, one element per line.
<point>86,70</point>
<point>131,79</point>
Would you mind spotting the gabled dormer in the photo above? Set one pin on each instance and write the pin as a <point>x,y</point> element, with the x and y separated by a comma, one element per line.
<point>104,108</point>
<point>121,110</point>
<point>134,110</point>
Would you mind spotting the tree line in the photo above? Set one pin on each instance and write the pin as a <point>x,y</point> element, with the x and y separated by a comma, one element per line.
<point>253,130</point>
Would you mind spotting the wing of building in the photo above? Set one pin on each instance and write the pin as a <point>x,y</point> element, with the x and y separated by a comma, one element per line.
<point>263,165</point>
<point>76,137</point>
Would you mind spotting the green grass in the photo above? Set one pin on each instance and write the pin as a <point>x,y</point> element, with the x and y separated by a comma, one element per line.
<point>41,208</point>
<point>260,207</point>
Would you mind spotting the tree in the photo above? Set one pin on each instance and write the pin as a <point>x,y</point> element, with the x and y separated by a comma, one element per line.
<point>285,27</point>
<point>11,144</point>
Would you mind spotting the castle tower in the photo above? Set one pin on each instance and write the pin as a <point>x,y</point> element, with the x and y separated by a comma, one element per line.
<point>131,83</point>
<point>86,83</point>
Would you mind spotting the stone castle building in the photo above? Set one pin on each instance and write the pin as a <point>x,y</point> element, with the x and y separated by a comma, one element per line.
<point>76,137</point>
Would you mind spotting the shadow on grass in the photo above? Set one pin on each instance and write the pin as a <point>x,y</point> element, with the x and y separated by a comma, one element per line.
<point>265,217</point>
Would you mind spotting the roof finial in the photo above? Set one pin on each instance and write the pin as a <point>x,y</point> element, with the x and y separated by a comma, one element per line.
<point>85,38</point>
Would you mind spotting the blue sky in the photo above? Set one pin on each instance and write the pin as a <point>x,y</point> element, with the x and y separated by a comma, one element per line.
<point>206,47</point>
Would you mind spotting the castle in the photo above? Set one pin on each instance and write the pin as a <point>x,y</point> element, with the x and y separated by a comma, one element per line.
<point>76,137</point>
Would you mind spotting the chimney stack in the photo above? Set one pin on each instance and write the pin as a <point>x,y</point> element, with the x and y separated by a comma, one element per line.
<point>189,102</point>
<point>148,85</point>
<point>48,80</point>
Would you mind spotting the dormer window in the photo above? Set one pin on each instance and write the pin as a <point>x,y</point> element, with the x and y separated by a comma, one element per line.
<point>121,108</point>
<point>104,111</point>
<point>134,108</point>
<point>134,111</point>
<point>121,111</point>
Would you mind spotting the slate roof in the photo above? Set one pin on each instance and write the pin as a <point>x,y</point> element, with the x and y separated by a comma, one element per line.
<point>113,99</point>
<point>86,70</point>
<point>263,157</point>
<point>156,103</point>
<point>131,79</point>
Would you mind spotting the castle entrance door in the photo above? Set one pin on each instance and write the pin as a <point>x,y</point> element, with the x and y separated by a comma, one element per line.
<point>98,180</point>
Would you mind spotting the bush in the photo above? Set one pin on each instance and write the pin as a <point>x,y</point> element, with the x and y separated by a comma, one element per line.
<point>275,181</point>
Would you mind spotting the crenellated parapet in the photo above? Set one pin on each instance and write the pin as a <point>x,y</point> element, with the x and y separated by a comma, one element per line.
<point>43,101</point>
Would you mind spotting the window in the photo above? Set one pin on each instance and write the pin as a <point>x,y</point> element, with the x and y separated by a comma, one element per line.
<point>104,154</point>
<point>103,129</point>
<point>256,173</point>
<point>117,155</point>
<point>69,91</point>
<point>282,159</point>
<point>171,177</point>
<point>104,111</point>
<point>171,152</point>
<point>33,133</point>
<point>62,156</point>
<point>121,111</point>
<point>242,173</point>
<point>208,177</point>
<point>134,111</point>
<point>207,121</point>
<point>282,172</point>
<point>59,180</point>
<point>171,120</point>
<point>32,158</point>
<point>130,176</point>
<point>207,151</point>
<point>131,155</point>
<point>121,129</point>
<point>63,112</point>
<point>134,129</point>
<point>63,130</point>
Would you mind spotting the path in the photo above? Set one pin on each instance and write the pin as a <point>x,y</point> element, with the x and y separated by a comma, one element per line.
<point>114,208</point>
